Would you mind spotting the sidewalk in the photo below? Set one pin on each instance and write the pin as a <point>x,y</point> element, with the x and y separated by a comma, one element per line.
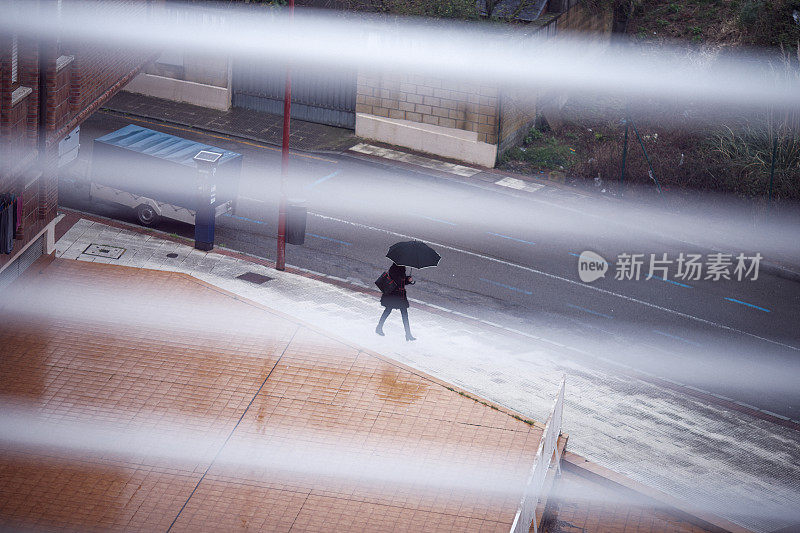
<point>723,462</point>
<point>153,401</point>
<point>238,122</point>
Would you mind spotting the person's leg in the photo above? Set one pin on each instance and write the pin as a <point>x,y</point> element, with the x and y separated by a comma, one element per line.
<point>384,316</point>
<point>404,314</point>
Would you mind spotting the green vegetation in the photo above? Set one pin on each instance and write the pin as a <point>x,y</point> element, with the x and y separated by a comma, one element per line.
<point>711,149</point>
<point>450,9</point>
<point>533,135</point>
<point>542,152</point>
<point>731,22</point>
<point>741,158</point>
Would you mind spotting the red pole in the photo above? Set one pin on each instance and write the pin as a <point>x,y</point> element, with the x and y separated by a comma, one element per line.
<point>280,262</point>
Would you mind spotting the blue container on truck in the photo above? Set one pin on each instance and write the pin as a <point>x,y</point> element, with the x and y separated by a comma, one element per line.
<point>154,173</point>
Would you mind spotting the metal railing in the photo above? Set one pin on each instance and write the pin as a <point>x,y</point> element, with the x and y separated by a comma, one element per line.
<point>548,449</point>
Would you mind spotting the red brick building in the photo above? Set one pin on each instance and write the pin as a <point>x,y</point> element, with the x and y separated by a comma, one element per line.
<point>48,86</point>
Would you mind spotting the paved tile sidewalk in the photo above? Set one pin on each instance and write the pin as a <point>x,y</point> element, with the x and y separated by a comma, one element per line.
<point>741,468</point>
<point>228,416</point>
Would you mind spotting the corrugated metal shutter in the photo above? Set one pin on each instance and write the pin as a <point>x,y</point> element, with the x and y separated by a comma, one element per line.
<point>321,95</point>
<point>30,255</point>
<point>21,264</point>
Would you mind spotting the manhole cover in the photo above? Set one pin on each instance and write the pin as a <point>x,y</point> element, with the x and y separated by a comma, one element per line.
<point>172,255</point>
<point>103,250</point>
<point>252,277</point>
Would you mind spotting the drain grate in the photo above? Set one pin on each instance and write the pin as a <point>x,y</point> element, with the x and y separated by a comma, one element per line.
<point>103,250</point>
<point>172,255</point>
<point>252,277</point>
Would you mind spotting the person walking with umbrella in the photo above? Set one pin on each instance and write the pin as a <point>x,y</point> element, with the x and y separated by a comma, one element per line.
<point>414,254</point>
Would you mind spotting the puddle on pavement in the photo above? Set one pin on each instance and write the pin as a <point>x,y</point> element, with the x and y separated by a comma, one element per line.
<point>392,390</point>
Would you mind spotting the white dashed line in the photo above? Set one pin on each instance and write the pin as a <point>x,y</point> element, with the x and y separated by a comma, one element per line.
<point>518,184</point>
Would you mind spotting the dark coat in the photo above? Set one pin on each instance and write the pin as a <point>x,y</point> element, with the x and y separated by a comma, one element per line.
<point>397,298</point>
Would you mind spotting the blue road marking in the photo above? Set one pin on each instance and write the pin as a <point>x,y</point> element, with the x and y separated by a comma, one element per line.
<point>510,238</point>
<point>509,287</point>
<point>673,282</point>
<point>329,239</point>
<point>322,179</point>
<point>748,305</point>
<point>589,311</point>
<point>435,219</point>
<point>245,218</point>
<point>676,338</point>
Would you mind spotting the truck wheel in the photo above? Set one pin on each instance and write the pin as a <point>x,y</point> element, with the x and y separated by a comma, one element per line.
<point>146,215</point>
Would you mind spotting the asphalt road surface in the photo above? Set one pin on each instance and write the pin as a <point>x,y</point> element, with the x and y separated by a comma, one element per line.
<point>512,260</point>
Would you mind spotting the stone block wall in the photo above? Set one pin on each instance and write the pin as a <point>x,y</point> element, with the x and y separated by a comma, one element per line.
<point>428,100</point>
<point>517,115</point>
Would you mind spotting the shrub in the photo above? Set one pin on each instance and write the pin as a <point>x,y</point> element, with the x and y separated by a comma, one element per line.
<point>533,135</point>
<point>550,155</point>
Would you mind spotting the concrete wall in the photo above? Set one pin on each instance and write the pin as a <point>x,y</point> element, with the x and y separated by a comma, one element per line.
<point>452,143</point>
<point>200,80</point>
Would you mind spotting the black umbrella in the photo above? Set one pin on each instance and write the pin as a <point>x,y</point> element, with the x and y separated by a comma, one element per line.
<point>414,254</point>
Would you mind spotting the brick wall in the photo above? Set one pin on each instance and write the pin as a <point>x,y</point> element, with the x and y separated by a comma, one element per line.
<point>74,88</point>
<point>581,19</point>
<point>517,115</point>
<point>464,106</point>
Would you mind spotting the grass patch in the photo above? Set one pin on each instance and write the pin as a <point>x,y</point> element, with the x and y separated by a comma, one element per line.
<point>545,152</point>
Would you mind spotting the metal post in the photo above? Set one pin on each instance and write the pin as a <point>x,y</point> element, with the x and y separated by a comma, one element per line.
<point>647,157</point>
<point>624,158</point>
<point>280,262</point>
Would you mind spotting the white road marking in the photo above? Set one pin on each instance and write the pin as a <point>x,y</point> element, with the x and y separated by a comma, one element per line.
<point>560,278</point>
<point>419,160</point>
<point>518,184</point>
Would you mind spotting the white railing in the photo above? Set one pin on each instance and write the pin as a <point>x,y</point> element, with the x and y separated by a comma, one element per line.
<point>548,450</point>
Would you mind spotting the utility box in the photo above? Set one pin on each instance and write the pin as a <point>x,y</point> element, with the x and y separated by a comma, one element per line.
<point>296,214</point>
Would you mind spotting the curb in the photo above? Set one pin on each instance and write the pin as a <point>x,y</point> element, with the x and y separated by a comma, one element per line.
<point>780,271</point>
<point>583,467</point>
<point>202,129</point>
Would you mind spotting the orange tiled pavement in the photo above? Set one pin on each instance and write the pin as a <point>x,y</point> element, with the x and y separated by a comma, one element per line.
<point>243,378</point>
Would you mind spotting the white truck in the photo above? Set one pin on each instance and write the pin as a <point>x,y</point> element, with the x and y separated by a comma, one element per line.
<point>154,174</point>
